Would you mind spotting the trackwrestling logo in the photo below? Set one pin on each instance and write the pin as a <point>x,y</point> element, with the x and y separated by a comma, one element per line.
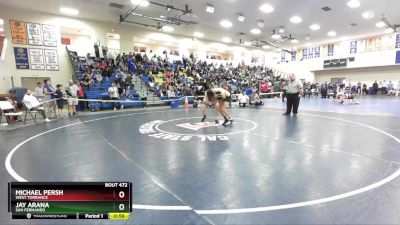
<point>151,129</point>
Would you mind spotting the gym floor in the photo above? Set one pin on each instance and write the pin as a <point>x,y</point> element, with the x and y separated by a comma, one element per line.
<point>332,164</point>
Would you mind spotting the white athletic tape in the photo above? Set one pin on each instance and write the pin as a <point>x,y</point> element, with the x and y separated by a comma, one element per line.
<point>144,101</point>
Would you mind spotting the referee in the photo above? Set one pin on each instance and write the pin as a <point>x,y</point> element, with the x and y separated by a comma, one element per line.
<point>293,89</point>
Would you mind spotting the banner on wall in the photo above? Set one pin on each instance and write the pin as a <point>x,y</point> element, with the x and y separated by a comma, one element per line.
<point>139,49</point>
<point>310,53</point>
<point>51,59</point>
<point>305,53</point>
<point>49,35</point>
<point>294,52</point>
<point>34,34</point>
<point>21,58</point>
<point>398,57</point>
<point>331,49</point>
<point>65,41</point>
<point>353,47</point>
<point>398,41</point>
<point>317,52</point>
<point>36,58</point>
<point>18,32</point>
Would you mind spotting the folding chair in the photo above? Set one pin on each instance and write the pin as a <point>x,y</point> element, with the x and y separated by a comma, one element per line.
<point>7,106</point>
<point>32,113</point>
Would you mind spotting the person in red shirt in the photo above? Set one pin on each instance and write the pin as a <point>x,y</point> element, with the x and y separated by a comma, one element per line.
<point>103,65</point>
<point>168,74</point>
<point>264,87</point>
<point>81,95</point>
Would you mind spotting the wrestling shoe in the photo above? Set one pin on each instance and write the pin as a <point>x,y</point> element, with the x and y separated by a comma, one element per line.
<point>227,121</point>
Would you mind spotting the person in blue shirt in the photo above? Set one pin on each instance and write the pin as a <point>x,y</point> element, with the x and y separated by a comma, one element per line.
<point>49,91</point>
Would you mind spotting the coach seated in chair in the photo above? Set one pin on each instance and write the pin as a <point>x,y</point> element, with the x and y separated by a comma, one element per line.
<point>33,105</point>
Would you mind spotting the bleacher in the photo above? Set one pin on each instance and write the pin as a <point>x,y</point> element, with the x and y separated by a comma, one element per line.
<point>99,91</point>
<point>159,80</point>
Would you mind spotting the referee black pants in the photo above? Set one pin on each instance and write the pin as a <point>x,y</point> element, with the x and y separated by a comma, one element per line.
<point>293,101</point>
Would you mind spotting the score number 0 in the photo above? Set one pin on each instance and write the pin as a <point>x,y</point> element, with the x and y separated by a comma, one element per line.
<point>121,194</point>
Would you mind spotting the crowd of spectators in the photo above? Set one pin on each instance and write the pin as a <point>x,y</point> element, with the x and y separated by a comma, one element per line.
<point>193,78</point>
<point>190,77</point>
<point>187,77</point>
<point>327,90</point>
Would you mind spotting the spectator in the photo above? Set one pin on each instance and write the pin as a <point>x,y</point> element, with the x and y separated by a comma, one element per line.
<point>324,90</point>
<point>87,82</point>
<point>389,87</point>
<point>142,95</point>
<point>384,87</point>
<point>114,95</point>
<point>264,87</point>
<point>171,92</point>
<point>33,104</point>
<point>59,95</point>
<point>364,89</point>
<point>72,94</point>
<point>121,88</point>
<point>49,97</point>
<point>375,88</point>
<point>81,95</point>
<point>256,100</point>
<point>39,94</point>
<point>14,103</point>
<point>359,88</point>
<point>395,91</point>
<point>243,99</point>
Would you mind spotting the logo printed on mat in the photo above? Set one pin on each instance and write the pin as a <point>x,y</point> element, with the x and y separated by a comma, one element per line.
<point>198,126</point>
<point>150,130</point>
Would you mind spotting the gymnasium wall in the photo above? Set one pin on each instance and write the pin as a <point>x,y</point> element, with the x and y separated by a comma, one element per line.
<point>364,75</point>
<point>376,61</point>
<point>82,44</point>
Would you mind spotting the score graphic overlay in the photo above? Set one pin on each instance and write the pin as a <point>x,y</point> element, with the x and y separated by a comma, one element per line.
<point>70,200</point>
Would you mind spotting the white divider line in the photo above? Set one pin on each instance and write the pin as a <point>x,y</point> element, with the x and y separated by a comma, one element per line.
<point>17,177</point>
<point>9,168</point>
<point>302,204</point>
<point>162,207</point>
